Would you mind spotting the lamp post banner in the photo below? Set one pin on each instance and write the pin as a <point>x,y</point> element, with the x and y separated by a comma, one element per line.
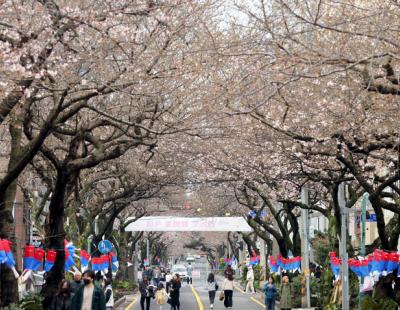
<point>171,223</point>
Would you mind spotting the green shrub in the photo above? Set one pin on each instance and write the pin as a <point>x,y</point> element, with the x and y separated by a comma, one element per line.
<point>32,301</point>
<point>124,285</point>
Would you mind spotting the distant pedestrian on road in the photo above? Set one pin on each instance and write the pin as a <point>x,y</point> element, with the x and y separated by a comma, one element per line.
<point>145,293</point>
<point>270,294</point>
<point>189,270</point>
<point>228,271</point>
<point>89,296</point>
<point>63,299</point>
<point>168,280</point>
<point>174,292</point>
<point>161,296</point>
<point>286,294</point>
<point>157,276</point>
<point>227,287</point>
<point>250,280</point>
<point>212,289</point>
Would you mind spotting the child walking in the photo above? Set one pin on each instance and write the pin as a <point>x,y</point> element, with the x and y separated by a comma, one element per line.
<point>161,296</point>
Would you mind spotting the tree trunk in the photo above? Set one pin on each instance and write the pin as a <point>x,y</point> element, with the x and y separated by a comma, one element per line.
<point>55,235</point>
<point>8,283</point>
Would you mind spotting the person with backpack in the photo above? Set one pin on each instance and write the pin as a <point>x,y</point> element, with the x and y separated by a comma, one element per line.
<point>212,289</point>
<point>161,296</point>
<point>146,293</point>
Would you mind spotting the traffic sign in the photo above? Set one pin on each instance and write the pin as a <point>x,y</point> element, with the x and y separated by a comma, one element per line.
<point>105,246</point>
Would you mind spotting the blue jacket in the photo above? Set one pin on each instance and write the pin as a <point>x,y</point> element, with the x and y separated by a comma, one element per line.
<point>270,292</point>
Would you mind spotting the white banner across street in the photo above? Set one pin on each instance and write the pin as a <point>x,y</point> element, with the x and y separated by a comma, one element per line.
<point>171,223</point>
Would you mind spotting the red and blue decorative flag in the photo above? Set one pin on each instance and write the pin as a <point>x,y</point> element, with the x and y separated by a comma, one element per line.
<point>114,262</point>
<point>85,258</point>
<point>10,261</point>
<point>254,260</point>
<point>8,257</point>
<point>51,256</point>
<point>273,265</point>
<point>38,259</point>
<point>69,255</point>
<point>104,262</point>
<point>96,264</point>
<point>335,263</point>
<point>393,262</point>
<point>29,257</point>
<point>3,256</point>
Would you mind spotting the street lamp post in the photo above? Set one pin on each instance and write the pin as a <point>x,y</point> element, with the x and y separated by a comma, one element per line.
<point>306,300</point>
<point>343,247</point>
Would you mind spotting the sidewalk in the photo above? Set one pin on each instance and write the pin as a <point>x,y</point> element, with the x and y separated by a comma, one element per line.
<point>127,302</point>
<point>258,296</point>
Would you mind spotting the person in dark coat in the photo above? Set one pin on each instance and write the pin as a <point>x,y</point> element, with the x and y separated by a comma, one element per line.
<point>76,283</point>
<point>146,293</point>
<point>89,296</point>
<point>174,292</point>
<point>62,300</point>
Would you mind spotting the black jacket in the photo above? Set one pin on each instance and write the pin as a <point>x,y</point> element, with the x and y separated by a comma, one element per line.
<point>61,302</point>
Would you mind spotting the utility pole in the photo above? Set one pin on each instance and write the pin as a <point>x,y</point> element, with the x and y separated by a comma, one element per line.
<point>343,247</point>
<point>148,249</point>
<point>305,255</point>
<point>364,204</point>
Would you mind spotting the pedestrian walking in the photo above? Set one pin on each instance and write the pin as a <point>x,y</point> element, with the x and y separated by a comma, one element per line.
<point>228,271</point>
<point>148,272</point>
<point>157,276</point>
<point>270,294</point>
<point>212,289</point>
<point>286,294</point>
<point>168,279</point>
<point>146,293</point>
<point>89,296</point>
<point>189,271</point>
<point>161,296</point>
<point>109,294</point>
<point>76,283</point>
<point>250,280</point>
<point>227,287</point>
<point>62,300</point>
<point>175,292</point>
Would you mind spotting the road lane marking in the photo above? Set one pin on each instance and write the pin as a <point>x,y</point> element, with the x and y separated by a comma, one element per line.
<point>131,304</point>
<point>258,302</point>
<point>199,302</point>
<point>239,289</point>
<point>252,298</point>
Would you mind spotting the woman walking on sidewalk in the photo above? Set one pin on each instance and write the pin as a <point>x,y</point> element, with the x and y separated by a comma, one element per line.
<point>286,294</point>
<point>250,280</point>
<point>227,287</point>
<point>270,294</point>
<point>212,289</point>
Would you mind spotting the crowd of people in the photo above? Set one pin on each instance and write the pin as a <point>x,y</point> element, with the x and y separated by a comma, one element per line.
<point>161,285</point>
<point>82,293</point>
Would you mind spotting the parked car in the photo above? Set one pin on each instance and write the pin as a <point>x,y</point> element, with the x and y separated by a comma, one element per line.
<point>190,259</point>
<point>181,270</point>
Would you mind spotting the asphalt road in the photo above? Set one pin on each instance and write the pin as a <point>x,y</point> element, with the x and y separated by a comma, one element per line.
<point>188,299</point>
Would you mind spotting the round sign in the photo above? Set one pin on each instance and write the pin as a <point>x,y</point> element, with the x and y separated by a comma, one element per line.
<point>105,246</point>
